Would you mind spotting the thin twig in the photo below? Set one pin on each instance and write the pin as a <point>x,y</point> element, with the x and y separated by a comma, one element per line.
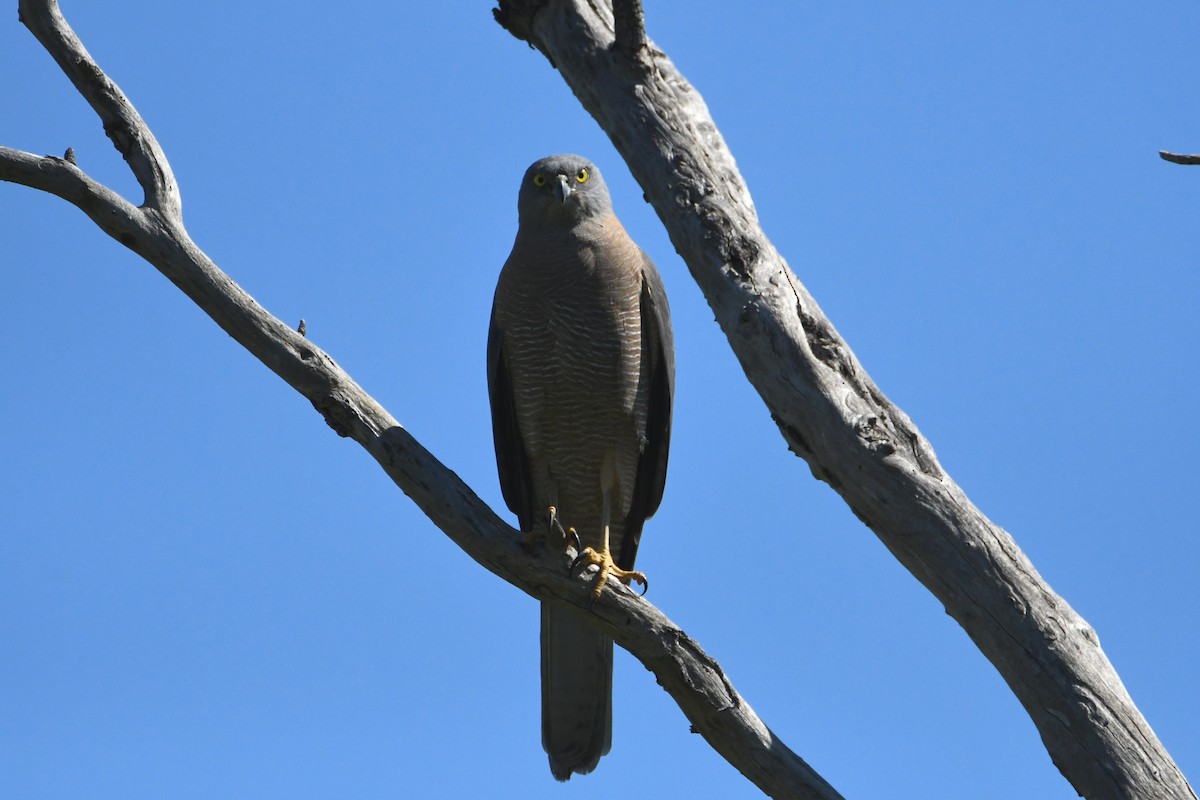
<point>1179,158</point>
<point>61,177</point>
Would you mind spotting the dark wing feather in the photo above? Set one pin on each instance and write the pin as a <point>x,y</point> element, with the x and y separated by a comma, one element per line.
<point>658,345</point>
<point>512,462</point>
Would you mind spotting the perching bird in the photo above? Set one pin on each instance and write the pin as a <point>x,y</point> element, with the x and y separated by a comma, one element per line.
<point>581,374</point>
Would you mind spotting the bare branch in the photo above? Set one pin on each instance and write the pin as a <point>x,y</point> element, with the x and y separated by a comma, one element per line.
<point>832,414</point>
<point>630,21</point>
<point>1179,158</point>
<point>121,121</point>
<point>61,177</point>
<point>689,675</point>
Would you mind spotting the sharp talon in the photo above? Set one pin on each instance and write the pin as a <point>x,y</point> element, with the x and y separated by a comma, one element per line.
<point>582,556</point>
<point>607,569</point>
<point>564,535</point>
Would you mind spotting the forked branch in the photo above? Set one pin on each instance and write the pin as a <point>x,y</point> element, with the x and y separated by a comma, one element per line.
<point>122,123</point>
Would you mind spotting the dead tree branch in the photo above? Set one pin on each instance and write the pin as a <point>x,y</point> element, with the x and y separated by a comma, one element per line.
<point>1179,158</point>
<point>832,415</point>
<point>155,231</point>
<point>630,21</point>
<point>122,123</point>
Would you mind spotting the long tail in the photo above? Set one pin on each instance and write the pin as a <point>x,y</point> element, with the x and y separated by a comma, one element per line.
<point>577,664</point>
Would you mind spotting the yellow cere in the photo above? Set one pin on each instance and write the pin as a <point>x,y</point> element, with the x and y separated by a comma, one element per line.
<point>581,176</point>
<point>539,179</point>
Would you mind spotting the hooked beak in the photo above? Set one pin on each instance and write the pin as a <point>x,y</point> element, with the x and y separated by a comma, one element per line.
<point>563,190</point>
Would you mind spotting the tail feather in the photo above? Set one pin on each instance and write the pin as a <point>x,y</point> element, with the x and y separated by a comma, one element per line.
<point>576,693</point>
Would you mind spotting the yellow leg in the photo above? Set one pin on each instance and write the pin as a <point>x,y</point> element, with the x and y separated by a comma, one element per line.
<point>604,561</point>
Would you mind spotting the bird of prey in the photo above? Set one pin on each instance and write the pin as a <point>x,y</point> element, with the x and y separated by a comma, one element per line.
<point>581,376</point>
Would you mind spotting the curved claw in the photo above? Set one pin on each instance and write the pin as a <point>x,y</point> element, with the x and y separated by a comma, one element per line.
<point>569,534</point>
<point>607,569</point>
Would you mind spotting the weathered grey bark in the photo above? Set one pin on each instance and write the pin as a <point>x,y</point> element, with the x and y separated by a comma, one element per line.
<point>155,231</point>
<point>833,416</point>
<point>1179,158</point>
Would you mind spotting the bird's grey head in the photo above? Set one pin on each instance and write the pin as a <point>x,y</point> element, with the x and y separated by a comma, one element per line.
<point>561,191</point>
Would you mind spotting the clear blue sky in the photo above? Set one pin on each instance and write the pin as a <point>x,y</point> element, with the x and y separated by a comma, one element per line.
<point>205,593</point>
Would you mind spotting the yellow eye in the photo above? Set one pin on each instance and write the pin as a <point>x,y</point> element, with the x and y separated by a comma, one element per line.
<point>539,179</point>
<point>581,176</point>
